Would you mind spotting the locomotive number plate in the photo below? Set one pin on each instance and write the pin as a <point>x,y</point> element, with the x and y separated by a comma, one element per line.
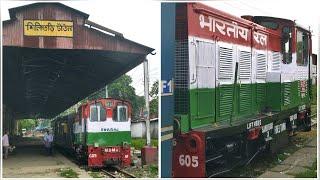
<point>253,124</point>
<point>187,160</point>
<point>92,155</point>
<point>279,128</point>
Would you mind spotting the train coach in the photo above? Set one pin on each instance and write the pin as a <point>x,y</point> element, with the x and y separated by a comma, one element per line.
<point>242,86</point>
<point>98,134</point>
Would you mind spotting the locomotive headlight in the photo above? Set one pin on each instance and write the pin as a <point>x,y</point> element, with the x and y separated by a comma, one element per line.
<point>96,144</point>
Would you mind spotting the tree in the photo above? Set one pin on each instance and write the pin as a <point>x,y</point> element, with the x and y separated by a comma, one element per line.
<point>155,99</point>
<point>27,124</point>
<point>122,89</point>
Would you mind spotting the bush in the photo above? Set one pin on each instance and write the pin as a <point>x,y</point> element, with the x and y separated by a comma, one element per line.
<point>138,143</point>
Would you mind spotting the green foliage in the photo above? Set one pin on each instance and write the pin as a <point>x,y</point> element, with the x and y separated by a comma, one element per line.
<point>96,175</point>
<point>27,124</point>
<point>122,89</point>
<point>68,173</point>
<point>138,143</point>
<point>155,99</point>
<point>153,169</point>
<point>314,94</point>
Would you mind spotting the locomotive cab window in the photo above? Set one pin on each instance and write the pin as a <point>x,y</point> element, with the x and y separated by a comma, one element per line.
<point>302,48</point>
<point>269,24</point>
<point>120,114</point>
<point>286,44</point>
<point>97,113</point>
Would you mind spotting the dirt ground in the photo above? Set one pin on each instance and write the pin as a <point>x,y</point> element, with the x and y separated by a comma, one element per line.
<point>31,162</point>
<point>299,161</point>
<point>294,158</point>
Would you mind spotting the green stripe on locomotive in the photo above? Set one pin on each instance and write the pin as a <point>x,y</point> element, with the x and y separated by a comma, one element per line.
<point>220,105</point>
<point>109,138</point>
<point>104,138</point>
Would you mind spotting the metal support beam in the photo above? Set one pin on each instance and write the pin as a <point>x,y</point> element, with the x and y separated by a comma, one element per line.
<point>146,96</point>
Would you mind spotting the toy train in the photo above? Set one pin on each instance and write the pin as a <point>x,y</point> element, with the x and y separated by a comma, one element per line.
<point>241,86</point>
<point>98,134</point>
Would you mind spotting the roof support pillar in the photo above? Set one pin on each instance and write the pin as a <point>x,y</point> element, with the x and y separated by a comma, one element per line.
<point>146,95</point>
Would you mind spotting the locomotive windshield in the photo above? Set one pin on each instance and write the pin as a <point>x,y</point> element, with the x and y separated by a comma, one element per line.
<point>120,114</point>
<point>302,48</point>
<point>97,113</point>
<point>286,43</point>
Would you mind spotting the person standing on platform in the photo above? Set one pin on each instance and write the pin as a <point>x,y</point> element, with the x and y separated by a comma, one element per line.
<point>5,144</point>
<point>48,139</point>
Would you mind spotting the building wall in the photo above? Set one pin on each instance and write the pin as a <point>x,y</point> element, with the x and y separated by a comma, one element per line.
<point>138,129</point>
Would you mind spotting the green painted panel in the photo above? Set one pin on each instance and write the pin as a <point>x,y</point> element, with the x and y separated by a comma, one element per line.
<point>109,138</point>
<point>184,123</point>
<point>274,96</point>
<point>202,107</point>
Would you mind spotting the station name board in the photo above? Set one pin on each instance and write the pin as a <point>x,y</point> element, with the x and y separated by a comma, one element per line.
<point>48,28</point>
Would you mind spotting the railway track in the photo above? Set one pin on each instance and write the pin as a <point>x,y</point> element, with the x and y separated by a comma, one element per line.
<point>116,172</point>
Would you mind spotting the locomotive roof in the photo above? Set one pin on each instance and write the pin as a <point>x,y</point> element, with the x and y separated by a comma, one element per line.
<point>281,19</point>
<point>110,98</point>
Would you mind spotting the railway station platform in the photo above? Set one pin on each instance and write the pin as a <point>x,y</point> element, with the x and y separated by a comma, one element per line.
<point>28,160</point>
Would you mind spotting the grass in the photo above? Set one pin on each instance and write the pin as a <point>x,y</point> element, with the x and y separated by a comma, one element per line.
<point>138,143</point>
<point>311,172</point>
<point>96,175</point>
<point>314,94</point>
<point>153,170</point>
<point>68,173</point>
<point>314,99</point>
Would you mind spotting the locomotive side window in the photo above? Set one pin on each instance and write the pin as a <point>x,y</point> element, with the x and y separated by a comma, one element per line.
<point>302,48</point>
<point>286,44</point>
<point>269,24</point>
<point>97,113</point>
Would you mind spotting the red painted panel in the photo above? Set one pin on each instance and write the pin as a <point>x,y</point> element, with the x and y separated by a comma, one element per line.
<point>210,23</point>
<point>189,158</point>
<point>98,155</point>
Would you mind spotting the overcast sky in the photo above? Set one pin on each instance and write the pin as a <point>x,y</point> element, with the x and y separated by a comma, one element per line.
<point>140,21</point>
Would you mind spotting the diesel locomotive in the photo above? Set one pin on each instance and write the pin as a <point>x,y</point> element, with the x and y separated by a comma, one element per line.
<point>98,134</point>
<point>241,86</point>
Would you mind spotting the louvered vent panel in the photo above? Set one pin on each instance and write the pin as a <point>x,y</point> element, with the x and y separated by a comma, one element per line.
<point>225,100</point>
<point>245,98</point>
<point>245,65</point>
<point>286,93</point>
<point>276,59</point>
<point>261,93</point>
<point>225,63</point>
<point>261,66</point>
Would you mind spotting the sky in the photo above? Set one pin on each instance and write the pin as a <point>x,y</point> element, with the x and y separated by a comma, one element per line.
<point>139,20</point>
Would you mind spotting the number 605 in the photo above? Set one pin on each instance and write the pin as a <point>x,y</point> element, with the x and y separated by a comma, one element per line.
<point>186,160</point>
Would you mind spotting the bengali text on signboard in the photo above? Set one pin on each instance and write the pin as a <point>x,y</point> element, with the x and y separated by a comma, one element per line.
<point>48,28</point>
